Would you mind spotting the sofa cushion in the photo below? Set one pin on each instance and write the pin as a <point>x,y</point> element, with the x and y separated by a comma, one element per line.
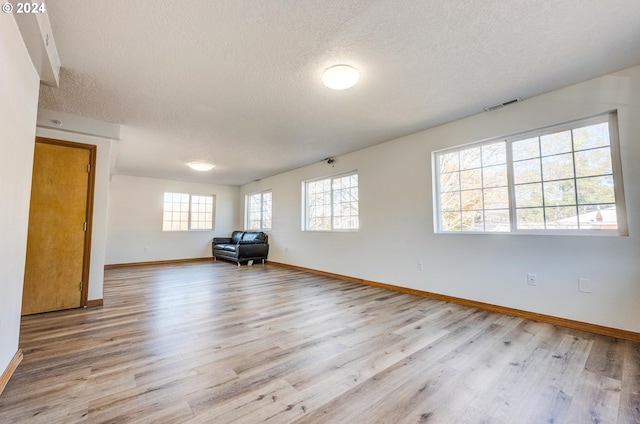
<point>227,247</point>
<point>236,236</point>
<point>253,237</point>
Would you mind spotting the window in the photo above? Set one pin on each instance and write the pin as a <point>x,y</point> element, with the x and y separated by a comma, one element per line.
<point>332,203</point>
<point>184,212</point>
<point>562,179</point>
<point>258,207</point>
<point>473,189</point>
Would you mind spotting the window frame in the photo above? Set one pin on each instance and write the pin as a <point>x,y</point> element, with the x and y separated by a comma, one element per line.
<point>609,117</point>
<point>306,205</point>
<point>190,212</point>
<point>262,219</point>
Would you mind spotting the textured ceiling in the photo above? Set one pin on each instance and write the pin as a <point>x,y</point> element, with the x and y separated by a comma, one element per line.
<point>238,82</point>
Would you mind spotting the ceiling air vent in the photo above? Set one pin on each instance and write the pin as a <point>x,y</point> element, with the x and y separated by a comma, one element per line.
<point>503,104</point>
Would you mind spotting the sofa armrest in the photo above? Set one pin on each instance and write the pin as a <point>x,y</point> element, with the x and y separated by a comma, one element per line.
<point>253,250</point>
<point>221,240</point>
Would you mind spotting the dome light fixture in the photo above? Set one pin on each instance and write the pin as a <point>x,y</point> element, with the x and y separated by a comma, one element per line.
<point>200,166</point>
<point>340,77</point>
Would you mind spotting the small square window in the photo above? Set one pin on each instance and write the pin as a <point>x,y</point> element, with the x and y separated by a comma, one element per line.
<point>332,203</point>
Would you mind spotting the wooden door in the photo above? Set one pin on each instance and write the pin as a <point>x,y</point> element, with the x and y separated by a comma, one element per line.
<point>56,267</point>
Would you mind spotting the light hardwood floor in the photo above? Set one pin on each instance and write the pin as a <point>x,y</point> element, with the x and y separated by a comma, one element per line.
<point>214,343</point>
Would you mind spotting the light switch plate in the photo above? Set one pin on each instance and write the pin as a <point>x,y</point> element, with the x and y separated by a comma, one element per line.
<point>584,285</point>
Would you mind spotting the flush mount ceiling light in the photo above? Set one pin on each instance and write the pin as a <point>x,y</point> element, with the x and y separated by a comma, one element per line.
<point>201,166</point>
<point>340,77</point>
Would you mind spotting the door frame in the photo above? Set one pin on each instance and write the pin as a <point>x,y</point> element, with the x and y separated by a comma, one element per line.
<point>86,259</point>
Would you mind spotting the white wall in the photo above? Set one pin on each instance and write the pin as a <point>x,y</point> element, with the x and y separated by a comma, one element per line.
<point>135,220</point>
<point>396,209</point>
<point>19,85</point>
<point>100,202</point>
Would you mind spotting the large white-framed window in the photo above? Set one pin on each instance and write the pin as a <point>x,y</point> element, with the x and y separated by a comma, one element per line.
<point>331,203</point>
<point>186,212</point>
<point>258,210</point>
<point>563,179</point>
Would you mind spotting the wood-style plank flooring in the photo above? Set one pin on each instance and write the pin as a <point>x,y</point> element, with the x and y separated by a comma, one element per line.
<point>213,343</point>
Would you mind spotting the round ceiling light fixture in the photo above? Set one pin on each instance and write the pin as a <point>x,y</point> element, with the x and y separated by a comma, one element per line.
<point>340,77</point>
<point>200,166</point>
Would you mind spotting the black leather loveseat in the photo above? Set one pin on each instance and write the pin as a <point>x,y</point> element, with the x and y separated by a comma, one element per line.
<point>242,246</point>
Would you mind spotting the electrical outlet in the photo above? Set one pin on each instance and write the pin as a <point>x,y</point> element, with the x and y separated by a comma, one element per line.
<point>532,279</point>
<point>420,266</point>
<point>286,250</point>
<point>146,249</point>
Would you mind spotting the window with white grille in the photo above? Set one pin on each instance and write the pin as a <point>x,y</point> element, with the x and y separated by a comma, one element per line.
<point>258,210</point>
<point>185,212</point>
<point>331,203</point>
<point>562,179</point>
